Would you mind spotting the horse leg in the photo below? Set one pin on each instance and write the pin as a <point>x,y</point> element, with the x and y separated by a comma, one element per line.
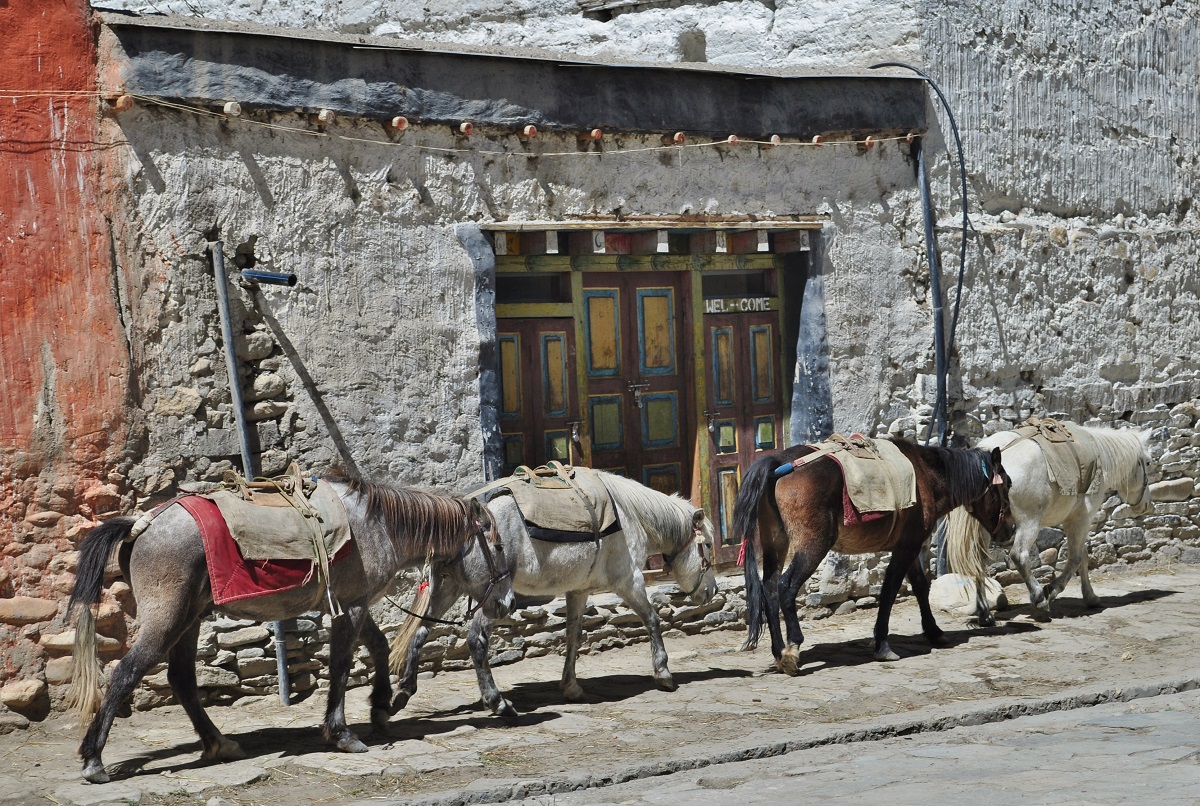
<point>802,566</point>
<point>181,674</point>
<point>1021,555</point>
<point>342,640</point>
<point>576,600</point>
<point>774,550</point>
<point>153,642</point>
<point>902,560</point>
<point>381,687</point>
<point>478,635</point>
<point>1076,527</point>
<point>920,586</point>
<point>407,685</point>
<point>634,596</point>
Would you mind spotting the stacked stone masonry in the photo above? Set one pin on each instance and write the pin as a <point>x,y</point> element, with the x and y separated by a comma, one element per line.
<point>237,658</point>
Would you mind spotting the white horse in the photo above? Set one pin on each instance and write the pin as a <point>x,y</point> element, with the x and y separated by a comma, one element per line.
<point>650,523</point>
<point>1037,501</point>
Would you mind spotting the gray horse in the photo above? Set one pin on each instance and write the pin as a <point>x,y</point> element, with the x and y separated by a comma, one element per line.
<point>393,528</point>
<point>651,523</point>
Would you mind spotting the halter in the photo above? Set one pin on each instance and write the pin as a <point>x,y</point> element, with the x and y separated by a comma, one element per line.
<point>993,480</point>
<point>496,578</point>
<point>705,564</point>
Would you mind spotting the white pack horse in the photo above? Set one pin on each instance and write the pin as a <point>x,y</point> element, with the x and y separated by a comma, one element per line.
<point>1036,500</point>
<point>651,523</point>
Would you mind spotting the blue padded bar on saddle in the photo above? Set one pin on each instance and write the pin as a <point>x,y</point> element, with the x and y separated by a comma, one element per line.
<point>784,469</point>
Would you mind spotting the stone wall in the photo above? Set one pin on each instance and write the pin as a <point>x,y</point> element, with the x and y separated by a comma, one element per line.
<point>1081,297</point>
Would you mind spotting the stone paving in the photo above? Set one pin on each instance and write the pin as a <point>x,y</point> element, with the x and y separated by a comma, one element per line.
<point>629,738</point>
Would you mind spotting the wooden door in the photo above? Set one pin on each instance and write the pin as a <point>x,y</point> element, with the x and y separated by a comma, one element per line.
<point>539,408</point>
<point>744,407</point>
<point>636,358</point>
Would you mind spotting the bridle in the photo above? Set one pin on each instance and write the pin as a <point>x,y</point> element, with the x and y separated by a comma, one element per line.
<point>696,539</point>
<point>994,479</point>
<point>497,576</point>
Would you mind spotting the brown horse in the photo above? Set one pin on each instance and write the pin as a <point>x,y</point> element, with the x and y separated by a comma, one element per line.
<point>802,513</point>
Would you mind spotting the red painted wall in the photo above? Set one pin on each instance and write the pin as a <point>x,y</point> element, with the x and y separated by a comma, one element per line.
<point>64,366</point>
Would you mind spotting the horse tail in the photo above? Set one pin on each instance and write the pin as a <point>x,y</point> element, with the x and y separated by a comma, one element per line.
<point>756,484</point>
<point>967,544</point>
<point>403,638</point>
<point>84,694</point>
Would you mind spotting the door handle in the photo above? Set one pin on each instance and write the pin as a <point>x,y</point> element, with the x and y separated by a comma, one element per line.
<point>638,390</point>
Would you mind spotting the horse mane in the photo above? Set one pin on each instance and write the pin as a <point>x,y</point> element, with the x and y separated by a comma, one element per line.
<point>668,516</point>
<point>965,479</point>
<point>419,514</point>
<point>1119,452</point>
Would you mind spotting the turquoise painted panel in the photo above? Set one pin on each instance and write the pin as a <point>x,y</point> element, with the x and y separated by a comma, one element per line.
<point>656,331</point>
<point>660,420</point>
<point>604,417</point>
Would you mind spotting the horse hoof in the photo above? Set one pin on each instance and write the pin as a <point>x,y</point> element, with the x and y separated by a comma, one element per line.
<point>379,720</point>
<point>94,773</point>
<point>885,653</point>
<point>789,661</point>
<point>938,640</point>
<point>573,693</point>
<point>505,709</point>
<point>351,745</point>
<point>399,702</point>
<point>224,750</point>
<point>665,682</point>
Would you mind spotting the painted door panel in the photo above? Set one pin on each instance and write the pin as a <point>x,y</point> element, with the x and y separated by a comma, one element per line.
<point>638,399</point>
<point>538,405</point>
<point>744,408</point>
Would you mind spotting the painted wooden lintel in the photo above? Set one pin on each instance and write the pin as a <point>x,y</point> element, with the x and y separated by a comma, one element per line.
<point>518,264</point>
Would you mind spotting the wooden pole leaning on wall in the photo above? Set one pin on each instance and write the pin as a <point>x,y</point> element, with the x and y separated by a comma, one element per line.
<point>249,463</point>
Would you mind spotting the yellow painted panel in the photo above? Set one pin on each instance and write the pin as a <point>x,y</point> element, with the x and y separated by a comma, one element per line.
<point>606,424</point>
<point>763,365</point>
<point>723,383</point>
<point>728,492</point>
<point>656,324</point>
<point>602,334</point>
<point>556,366</point>
<point>510,373</point>
<point>556,447</point>
<point>660,422</point>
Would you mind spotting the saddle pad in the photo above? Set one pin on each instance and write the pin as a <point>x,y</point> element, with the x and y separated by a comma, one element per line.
<point>1070,464</point>
<point>231,575</point>
<point>284,533</point>
<point>563,509</point>
<point>887,483</point>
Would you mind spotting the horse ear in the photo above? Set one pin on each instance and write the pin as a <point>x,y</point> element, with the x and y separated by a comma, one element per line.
<point>698,519</point>
<point>996,467</point>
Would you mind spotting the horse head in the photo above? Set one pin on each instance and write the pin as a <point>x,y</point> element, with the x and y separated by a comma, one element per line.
<point>693,570</point>
<point>486,571</point>
<point>992,508</point>
<point>1134,489</point>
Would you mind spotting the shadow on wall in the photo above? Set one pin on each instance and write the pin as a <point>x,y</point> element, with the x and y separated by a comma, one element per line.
<point>310,385</point>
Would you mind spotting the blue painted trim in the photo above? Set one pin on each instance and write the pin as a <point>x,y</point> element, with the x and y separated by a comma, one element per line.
<point>673,442</point>
<point>649,471</point>
<point>562,338</point>
<point>643,293</point>
<point>607,446</point>
<point>601,293</point>
<point>754,366</point>
<point>716,364</point>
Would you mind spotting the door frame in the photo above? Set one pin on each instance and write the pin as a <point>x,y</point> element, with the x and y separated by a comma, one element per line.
<point>589,249</point>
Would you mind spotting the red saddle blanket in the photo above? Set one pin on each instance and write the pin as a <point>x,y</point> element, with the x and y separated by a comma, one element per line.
<point>234,577</point>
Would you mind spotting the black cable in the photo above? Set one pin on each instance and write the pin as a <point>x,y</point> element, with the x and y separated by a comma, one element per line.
<point>966,224</point>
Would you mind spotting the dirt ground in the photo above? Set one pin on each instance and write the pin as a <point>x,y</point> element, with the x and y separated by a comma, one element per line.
<point>726,700</point>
